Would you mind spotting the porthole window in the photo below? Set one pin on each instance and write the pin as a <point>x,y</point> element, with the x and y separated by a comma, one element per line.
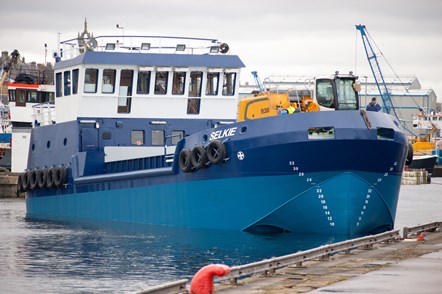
<point>48,144</point>
<point>65,141</point>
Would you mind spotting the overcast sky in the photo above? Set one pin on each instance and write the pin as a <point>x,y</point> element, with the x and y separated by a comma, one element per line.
<point>278,37</point>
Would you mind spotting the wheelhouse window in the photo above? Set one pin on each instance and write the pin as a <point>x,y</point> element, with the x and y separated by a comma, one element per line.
<point>67,83</point>
<point>143,83</point>
<point>193,104</point>
<point>196,78</point>
<point>212,83</point>
<point>179,82</point>
<point>347,96</point>
<point>75,75</point>
<point>161,79</point>
<point>325,93</point>
<point>58,85</point>
<point>11,95</point>
<point>108,86</point>
<point>20,97</point>
<point>137,137</point>
<point>90,80</point>
<point>158,137</point>
<point>125,91</point>
<point>31,96</point>
<point>44,97</point>
<point>229,81</point>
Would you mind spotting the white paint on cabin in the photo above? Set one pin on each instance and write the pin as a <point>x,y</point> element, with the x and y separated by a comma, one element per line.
<point>105,104</point>
<point>117,153</point>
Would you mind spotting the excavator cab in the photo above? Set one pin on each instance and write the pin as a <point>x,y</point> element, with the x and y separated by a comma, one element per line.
<point>339,92</point>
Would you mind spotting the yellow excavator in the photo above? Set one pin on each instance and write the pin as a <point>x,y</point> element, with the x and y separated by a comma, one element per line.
<point>336,92</point>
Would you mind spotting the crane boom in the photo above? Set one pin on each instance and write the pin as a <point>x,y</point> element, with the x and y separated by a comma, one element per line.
<point>377,73</point>
<point>6,66</point>
<point>258,81</point>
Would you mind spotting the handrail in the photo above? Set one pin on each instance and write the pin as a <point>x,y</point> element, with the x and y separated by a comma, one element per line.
<point>270,265</point>
<point>421,228</point>
<point>175,287</point>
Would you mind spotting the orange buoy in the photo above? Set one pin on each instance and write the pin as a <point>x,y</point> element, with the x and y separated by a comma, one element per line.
<point>202,282</point>
<point>421,237</point>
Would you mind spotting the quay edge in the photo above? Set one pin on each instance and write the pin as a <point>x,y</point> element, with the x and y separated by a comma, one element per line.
<point>8,185</point>
<point>358,271</point>
<point>411,262</point>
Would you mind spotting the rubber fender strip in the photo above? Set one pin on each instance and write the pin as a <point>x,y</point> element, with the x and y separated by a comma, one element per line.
<point>365,118</point>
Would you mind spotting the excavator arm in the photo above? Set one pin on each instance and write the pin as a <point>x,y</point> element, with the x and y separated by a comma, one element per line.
<point>7,65</point>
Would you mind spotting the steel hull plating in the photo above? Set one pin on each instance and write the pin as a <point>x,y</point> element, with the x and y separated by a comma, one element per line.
<point>270,181</point>
<point>345,203</point>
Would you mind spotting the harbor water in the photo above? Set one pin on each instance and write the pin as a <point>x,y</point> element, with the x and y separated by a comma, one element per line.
<point>46,257</point>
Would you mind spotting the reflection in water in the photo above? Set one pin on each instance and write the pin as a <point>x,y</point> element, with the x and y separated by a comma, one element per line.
<point>107,257</point>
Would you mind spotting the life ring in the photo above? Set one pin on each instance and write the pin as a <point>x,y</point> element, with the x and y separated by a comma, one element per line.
<point>32,179</point>
<point>185,160</point>
<point>224,48</point>
<point>59,177</point>
<point>50,177</point>
<point>198,157</point>
<point>216,151</point>
<point>41,178</point>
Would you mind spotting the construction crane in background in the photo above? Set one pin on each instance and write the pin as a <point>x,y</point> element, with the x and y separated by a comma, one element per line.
<point>258,81</point>
<point>377,73</point>
<point>6,67</point>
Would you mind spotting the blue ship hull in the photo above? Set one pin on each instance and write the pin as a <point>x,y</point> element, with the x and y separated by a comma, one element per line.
<point>276,176</point>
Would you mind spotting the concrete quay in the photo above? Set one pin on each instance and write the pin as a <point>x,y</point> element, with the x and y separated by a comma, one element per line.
<point>8,185</point>
<point>405,266</point>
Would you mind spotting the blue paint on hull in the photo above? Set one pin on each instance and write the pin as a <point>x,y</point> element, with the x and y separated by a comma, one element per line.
<point>283,180</point>
<point>345,203</point>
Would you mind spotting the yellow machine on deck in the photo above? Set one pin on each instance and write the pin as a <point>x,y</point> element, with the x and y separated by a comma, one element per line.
<point>425,144</point>
<point>327,93</point>
<point>271,104</point>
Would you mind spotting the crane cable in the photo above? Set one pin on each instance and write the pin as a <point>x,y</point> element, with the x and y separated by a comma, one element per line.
<point>392,69</point>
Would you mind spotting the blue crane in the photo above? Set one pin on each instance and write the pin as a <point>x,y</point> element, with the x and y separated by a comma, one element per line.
<point>377,73</point>
<point>258,82</point>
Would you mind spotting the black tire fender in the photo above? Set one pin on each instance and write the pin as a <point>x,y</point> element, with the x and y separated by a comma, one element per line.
<point>185,160</point>
<point>50,177</point>
<point>42,174</point>
<point>198,157</point>
<point>409,159</point>
<point>21,182</point>
<point>32,179</point>
<point>60,177</point>
<point>216,151</point>
<point>25,181</point>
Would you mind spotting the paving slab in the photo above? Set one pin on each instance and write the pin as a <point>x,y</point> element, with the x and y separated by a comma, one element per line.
<point>407,266</point>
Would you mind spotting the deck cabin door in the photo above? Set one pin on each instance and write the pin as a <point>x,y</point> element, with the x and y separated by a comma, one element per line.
<point>125,91</point>
<point>89,137</point>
